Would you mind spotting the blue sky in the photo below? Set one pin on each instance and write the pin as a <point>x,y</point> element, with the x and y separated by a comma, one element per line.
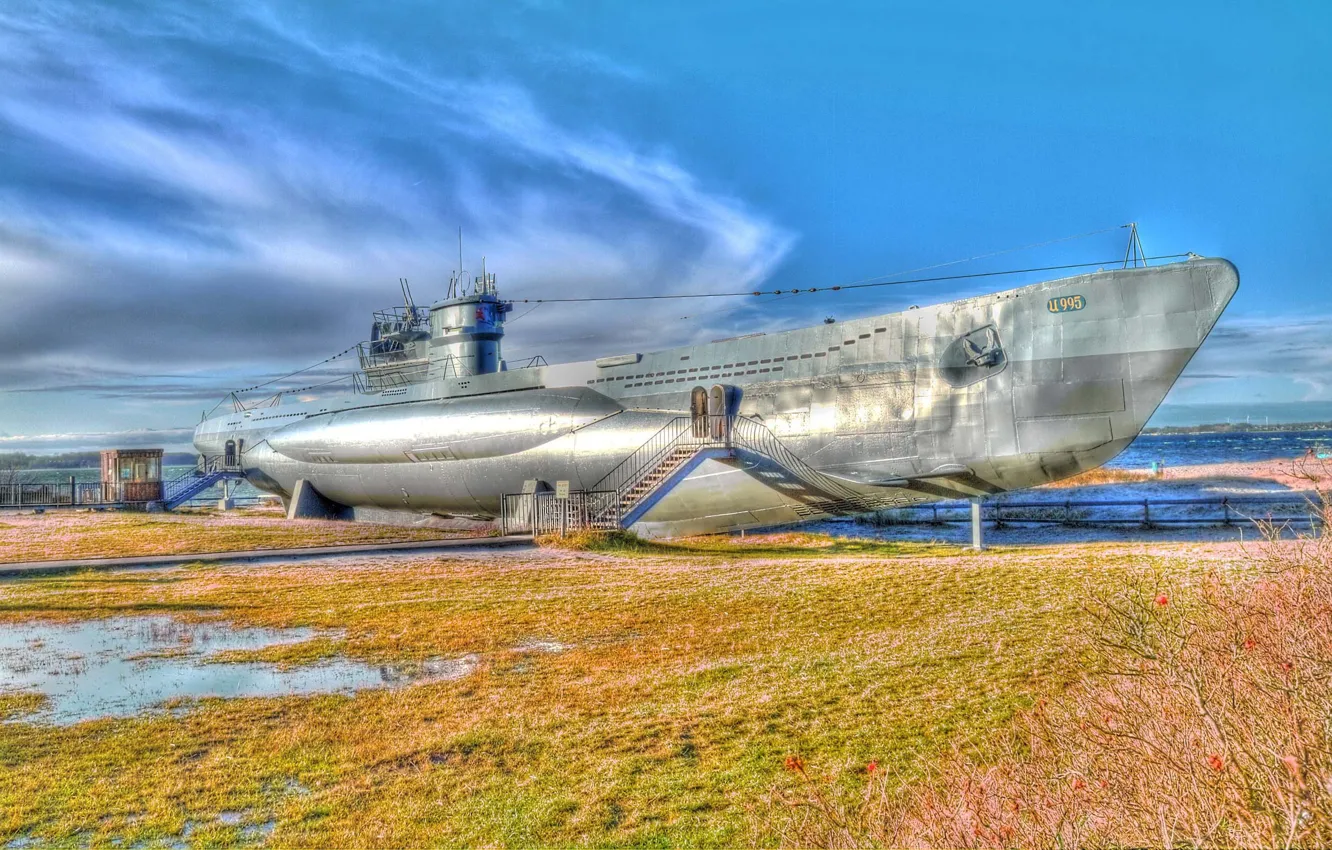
<point>194,197</point>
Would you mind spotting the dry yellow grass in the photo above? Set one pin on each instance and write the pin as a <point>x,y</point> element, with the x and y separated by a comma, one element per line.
<point>690,676</point>
<point>1202,723</point>
<point>65,534</point>
<point>1102,475</point>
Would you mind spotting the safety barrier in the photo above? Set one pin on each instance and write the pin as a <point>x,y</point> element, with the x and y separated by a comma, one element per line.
<point>1227,510</point>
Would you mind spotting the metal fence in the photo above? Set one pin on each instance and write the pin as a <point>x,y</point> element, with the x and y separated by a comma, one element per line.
<point>60,493</point>
<point>1251,510</point>
<point>546,513</point>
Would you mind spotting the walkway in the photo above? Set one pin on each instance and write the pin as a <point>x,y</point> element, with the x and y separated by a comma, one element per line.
<point>25,568</point>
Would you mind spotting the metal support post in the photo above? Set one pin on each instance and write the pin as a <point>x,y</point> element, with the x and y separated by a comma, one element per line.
<point>977,537</point>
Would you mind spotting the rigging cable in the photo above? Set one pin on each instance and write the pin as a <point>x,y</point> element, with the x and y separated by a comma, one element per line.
<point>985,256</point>
<point>863,283</point>
<point>336,380</point>
<point>837,288</point>
<point>298,371</point>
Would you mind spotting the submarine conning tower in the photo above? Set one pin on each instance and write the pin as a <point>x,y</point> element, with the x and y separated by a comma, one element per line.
<point>454,338</point>
<point>466,330</point>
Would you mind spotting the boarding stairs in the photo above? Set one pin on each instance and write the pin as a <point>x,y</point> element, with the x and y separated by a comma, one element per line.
<point>209,472</point>
<point>625,494</point>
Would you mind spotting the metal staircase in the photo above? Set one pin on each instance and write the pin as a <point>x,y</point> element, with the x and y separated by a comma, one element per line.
<point>665,457</point>
<point>631,489</point>
<point>208,472</point>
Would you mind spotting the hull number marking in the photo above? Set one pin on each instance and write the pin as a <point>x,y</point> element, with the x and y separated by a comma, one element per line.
<point>1066,304</point>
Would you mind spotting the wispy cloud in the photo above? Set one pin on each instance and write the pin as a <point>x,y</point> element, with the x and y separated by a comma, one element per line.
<point>1275,351</point>
<point>170,438</point>
<point>214,187</point>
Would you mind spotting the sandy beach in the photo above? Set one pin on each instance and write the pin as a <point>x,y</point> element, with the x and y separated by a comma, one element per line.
<point>1297,474</point>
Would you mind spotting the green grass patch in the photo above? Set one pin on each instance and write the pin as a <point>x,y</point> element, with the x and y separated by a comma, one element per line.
<point>789,544</point>
<point>18,703</point>
<point>284,655</point>
<point>682,683</point>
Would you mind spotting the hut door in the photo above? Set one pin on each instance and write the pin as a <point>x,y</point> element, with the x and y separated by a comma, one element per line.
<point>698,411</point>
<point>229,454</point>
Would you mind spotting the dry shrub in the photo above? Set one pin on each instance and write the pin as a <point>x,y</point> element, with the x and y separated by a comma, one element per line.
<point>1207,721</point>
<point>587,540</point>
<point>1102,475</point>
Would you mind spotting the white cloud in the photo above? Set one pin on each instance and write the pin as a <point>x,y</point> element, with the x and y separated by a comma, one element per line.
<point>224,227</point>
<point>1287,354</point>
<point>171,438</point>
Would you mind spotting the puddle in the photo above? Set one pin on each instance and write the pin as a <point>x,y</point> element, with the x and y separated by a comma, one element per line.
<point>122,667</point>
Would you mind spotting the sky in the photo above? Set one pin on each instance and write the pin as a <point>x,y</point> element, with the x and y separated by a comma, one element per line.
<point>199,197</point>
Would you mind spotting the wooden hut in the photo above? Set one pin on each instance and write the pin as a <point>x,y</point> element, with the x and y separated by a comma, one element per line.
<point>132,475</point>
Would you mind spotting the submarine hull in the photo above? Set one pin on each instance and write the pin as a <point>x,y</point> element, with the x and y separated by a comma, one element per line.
<point>971,397</point>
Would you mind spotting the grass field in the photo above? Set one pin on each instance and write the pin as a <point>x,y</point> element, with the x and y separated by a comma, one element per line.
<point>70,534</point>
<point>690,674</point>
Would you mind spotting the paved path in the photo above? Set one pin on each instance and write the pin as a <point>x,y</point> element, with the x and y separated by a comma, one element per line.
<point>46,567</point>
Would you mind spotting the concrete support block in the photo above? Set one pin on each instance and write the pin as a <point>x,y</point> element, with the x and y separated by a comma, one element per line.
<point>308,503</point>
<point>416,519</point>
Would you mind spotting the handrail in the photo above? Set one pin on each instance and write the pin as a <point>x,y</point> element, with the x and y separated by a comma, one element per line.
<point>720,431</point>
<point>532,362</point>
<point>646,457</point>
<point>207,466</point>
<point>758,438</point>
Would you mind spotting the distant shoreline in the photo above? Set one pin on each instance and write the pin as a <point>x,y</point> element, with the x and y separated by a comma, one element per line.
<point>78,460</point>
<point>1238,428</point>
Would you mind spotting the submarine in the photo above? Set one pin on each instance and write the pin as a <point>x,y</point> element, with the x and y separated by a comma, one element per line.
<point>962,399</point>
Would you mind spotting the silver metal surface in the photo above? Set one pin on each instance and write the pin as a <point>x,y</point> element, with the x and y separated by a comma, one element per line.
<point>968,398</point>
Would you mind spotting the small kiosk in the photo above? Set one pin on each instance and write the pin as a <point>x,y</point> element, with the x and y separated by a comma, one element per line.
<point>132,475</point>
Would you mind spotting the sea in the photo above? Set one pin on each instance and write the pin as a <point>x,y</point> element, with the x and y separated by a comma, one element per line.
<point>1228,447</point>
<point>1169,449</point>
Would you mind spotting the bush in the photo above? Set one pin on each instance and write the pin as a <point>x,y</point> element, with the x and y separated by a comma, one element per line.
<point>1207,721</point>
<point>1102,475</point>
<point>600,541</point>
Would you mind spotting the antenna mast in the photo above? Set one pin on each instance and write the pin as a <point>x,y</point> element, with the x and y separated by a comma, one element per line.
<point>456,282</point>
<point>1134,253</point>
